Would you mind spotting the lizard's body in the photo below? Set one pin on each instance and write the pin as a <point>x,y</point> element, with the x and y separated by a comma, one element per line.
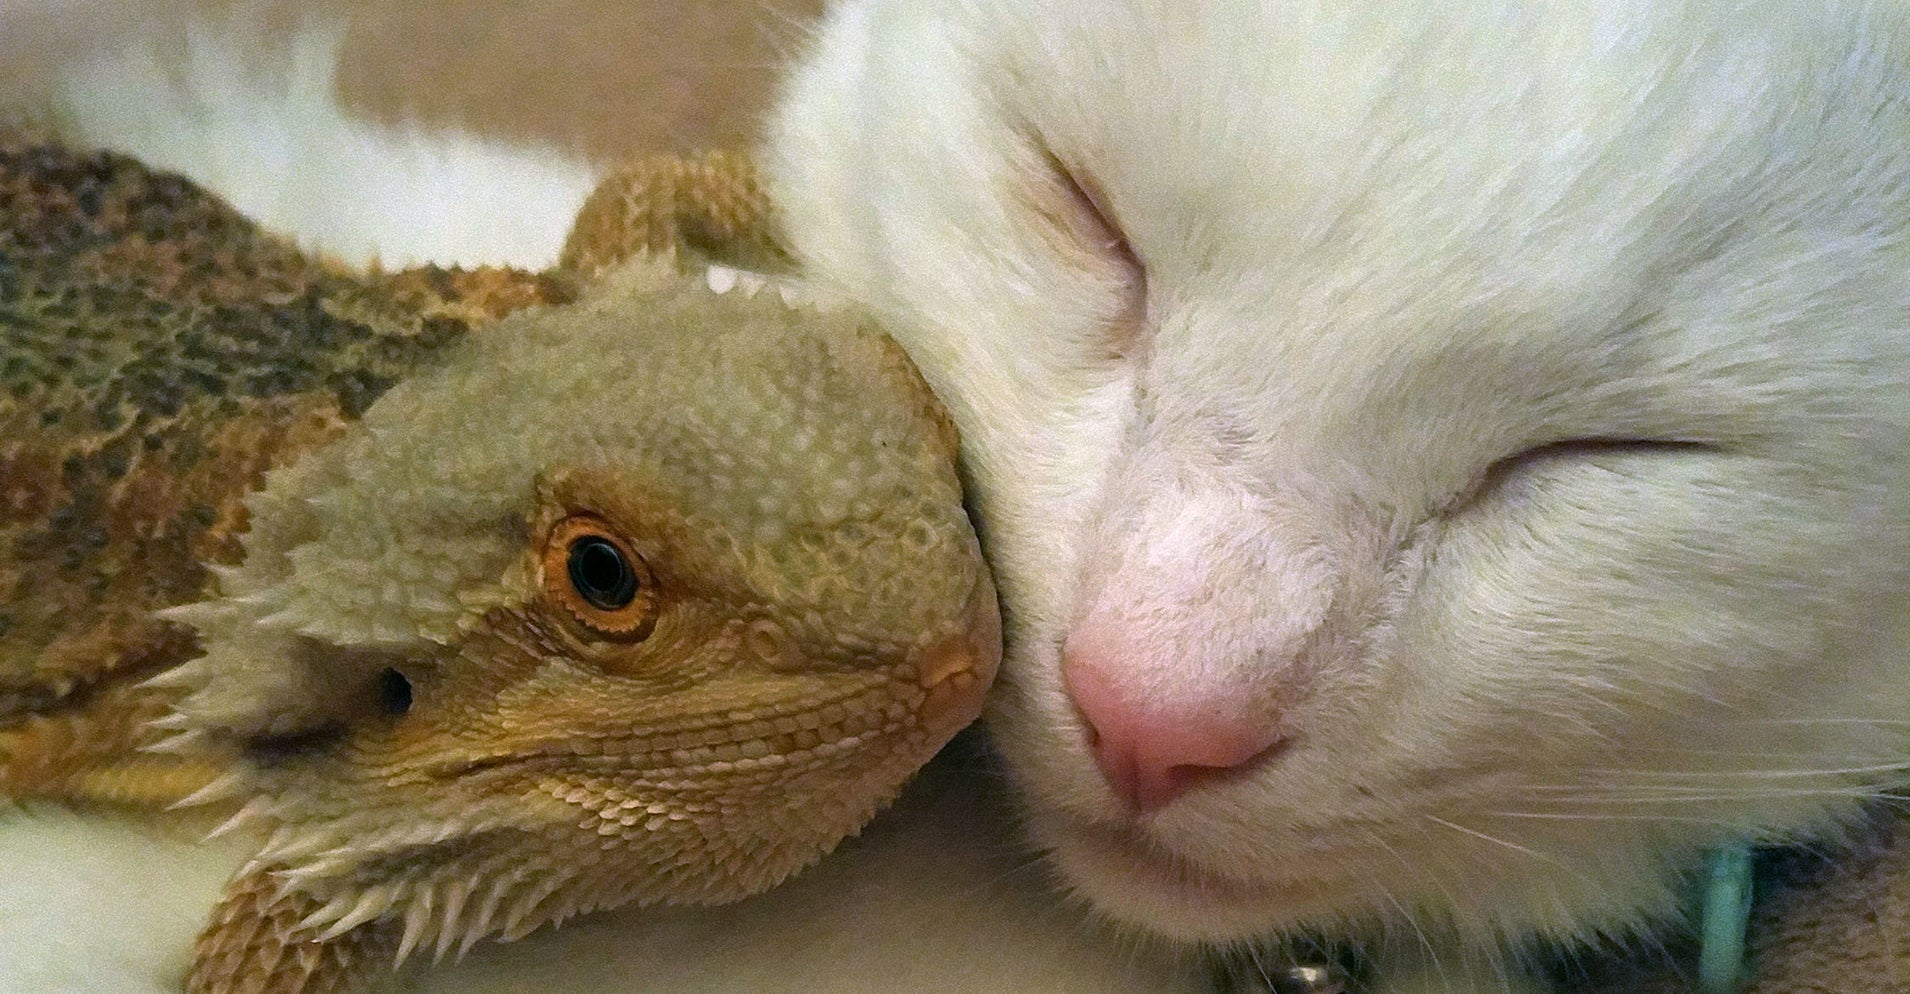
<point>157,355</point>
<point>183,391</point>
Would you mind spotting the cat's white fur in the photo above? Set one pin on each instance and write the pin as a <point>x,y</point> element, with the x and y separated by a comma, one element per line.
<point>931,900</point>
<point>262,126</point>
<point>93,904</point>
<point>1506,405</point>
<point>1299,451</point>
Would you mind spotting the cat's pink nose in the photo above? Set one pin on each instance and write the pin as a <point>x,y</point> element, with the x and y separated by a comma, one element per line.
<point>1153,751</point>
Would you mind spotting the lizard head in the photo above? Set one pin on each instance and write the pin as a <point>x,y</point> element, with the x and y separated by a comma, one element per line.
<point>653,598</point>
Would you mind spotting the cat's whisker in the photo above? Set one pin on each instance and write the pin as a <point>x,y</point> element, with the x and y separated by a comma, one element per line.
<point>1412,922</point>
<point>1712,796</point>
<point>1488,837</point>
<point>1614,817</point>
<point>1829,720</point>
<point>1253,958</point>
<point>1562,865</point>
<point>1412,867</point>
<point>1023,866</point>
<point>1765,754</point>
<point>1895,766</point>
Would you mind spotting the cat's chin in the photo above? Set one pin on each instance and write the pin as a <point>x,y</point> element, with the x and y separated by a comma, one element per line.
<point>1130,879</point>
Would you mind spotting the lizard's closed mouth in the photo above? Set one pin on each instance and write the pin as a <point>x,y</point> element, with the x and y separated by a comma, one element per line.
<point>654,764</point>
<point>943,694</point>
<point>858,726</point>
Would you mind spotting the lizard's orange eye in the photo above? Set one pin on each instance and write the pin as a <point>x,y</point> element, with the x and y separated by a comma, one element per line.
<point>594,575</point>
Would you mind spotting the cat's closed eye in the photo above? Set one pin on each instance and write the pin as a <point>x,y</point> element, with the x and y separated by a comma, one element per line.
<point>1502,476</point>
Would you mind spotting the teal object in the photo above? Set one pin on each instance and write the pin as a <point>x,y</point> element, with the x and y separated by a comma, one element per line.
<point>1724,919</point>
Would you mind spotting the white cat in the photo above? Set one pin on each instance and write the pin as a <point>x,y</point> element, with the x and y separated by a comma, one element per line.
<point>1446,465</point>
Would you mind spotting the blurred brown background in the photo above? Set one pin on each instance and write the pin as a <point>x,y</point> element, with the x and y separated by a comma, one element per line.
<point>605,77</point>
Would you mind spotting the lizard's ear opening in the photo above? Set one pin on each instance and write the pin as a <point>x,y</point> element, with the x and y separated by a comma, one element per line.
<point>597,582</point>
<point>379,694</point>
<point>260,686</point>
<point>374,695</point>
<point>394,692</point>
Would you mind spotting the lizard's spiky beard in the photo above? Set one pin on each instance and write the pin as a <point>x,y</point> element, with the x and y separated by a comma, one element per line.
<point>502,844</point>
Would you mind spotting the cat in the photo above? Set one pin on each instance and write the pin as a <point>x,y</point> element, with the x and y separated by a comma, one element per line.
<point>1446,467</point>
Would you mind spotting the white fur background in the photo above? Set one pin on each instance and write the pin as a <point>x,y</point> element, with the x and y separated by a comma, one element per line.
<point>932,899</point>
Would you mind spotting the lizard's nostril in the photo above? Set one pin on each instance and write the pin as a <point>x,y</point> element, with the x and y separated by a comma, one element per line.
<point>957,672</point>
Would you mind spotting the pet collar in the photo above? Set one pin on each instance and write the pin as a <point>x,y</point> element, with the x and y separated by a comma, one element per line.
<point>1724,916</point>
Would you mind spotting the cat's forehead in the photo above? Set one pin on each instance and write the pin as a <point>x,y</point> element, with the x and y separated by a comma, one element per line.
<point>1493,163</point>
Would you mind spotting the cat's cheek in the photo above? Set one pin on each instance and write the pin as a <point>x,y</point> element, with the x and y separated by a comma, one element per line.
<point>1098,851</point>
<point>1043,742</point>
<point>1134,883</point>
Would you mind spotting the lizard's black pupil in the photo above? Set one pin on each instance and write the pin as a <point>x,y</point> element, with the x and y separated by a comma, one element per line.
<point>601,574</point>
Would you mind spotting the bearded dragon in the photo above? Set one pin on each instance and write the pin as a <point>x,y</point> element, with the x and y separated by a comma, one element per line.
<point>486,598</point>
